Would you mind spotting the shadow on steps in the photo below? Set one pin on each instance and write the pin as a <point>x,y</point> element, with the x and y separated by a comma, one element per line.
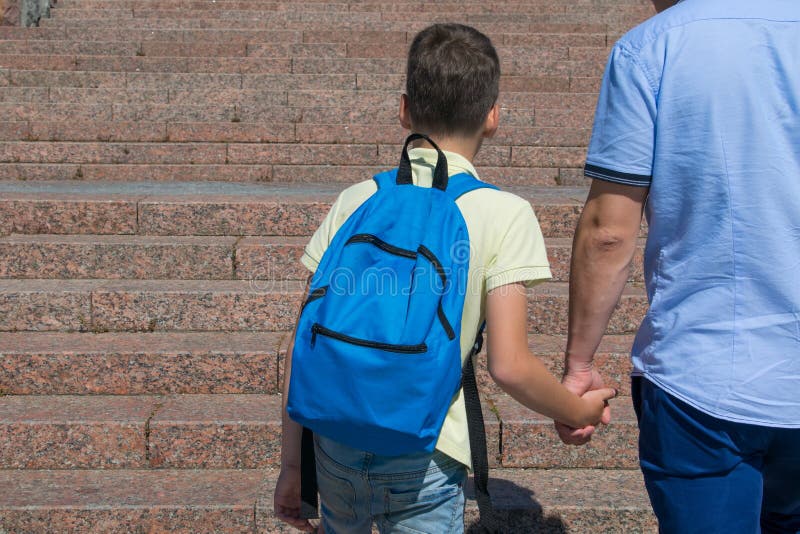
<point>516,510</point>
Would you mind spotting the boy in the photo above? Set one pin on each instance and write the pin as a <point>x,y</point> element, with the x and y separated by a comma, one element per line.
<point>451,94</point>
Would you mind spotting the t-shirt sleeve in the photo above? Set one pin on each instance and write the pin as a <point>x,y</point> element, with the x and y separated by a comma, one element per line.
<point>321,239</point>
<point>521,255</point>
<point>347,202</point>
<point>621,149</point>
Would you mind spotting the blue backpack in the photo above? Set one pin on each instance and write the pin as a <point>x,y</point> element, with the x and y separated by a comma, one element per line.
<point>377,353</point>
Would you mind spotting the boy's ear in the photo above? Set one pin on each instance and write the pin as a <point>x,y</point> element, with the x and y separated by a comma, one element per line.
<point>405,117</point>
<point>492,122</point>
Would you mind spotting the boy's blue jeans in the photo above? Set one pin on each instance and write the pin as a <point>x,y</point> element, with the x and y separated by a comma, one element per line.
<point>710,476</point>
<point>419,493</point>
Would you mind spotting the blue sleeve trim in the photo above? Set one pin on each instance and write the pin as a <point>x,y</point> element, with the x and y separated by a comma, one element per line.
<point>625,178</point>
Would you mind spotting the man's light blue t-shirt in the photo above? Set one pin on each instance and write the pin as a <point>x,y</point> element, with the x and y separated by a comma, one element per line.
<point>702,105</point>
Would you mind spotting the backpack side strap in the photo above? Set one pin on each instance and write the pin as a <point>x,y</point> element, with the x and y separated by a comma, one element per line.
<point>477,438</point>
<point>309,500</point>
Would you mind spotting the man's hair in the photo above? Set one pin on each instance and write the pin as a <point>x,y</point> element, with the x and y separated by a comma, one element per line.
<point>452,80</point>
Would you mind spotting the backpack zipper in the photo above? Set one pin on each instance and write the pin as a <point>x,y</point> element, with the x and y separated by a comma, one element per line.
<point>317,328</point>
<point>383,245</point>
<point>315,295</point>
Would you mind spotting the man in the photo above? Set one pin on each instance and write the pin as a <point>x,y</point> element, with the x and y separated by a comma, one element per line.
<point>698,125</point>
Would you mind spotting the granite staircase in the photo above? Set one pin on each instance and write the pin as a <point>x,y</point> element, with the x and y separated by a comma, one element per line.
<point>163,162</point>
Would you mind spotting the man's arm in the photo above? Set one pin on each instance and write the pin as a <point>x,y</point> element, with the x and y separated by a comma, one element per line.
<point>521,374</point>
<point>602,250</point>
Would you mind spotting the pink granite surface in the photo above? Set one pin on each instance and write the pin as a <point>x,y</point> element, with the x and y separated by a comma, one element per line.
<point>195,305</point>
<point>115,501</point>
<point>176,173</point>
<point>229,217</point>
<point>90,130</point>
<point>264,258</point>
<point>216,431</point>
<point>138,364</point>
<point>60,214</point>
<point>530,440</point>
<point>52,256</point>
<point>44,305</point>
<point>62,432</point>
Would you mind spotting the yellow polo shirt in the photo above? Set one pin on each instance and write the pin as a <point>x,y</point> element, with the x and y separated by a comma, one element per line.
<point>506,247</point>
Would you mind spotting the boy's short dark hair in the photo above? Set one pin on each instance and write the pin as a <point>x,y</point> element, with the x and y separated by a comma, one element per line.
<point>452,79</point>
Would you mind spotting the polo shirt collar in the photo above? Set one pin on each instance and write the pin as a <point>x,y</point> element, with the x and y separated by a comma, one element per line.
<point>456,163</point>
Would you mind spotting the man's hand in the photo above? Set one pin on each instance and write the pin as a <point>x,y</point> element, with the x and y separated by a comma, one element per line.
<point>287,499</point>
<point>579,381</point>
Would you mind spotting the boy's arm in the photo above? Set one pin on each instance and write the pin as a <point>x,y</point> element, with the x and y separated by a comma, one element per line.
<point>287,490</point>
<point>521,374</point>
<point>291,431</point>
<point>602,250</point>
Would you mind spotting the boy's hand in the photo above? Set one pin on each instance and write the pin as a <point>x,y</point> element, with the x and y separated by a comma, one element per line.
<point>596,402</point>
<point>579,380</point>
<point>287,499</point>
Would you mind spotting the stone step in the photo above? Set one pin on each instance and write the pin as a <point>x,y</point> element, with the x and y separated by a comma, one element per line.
<point>517,62</point>
<point>193,49</point>
<point>128,129</point>
<point>274,82</point>
<point>128,432</point>
<point>614,15</point>
<point>351,98</point>
<point>63,47</point>
<point>247,116</point>
<point>382,155</point>
<point>234,431</point>
<point>163,153</point>
<point>166,55</point>
<point>384,5</point>
<point>179,173</point>
<point>544,24</point>
<point>530,34</point>
<point>393,45</point>
<point>160,363</point>
<point>516,176</point>
<point>252,123</point>
<point>265,154</point>
<point>200,501</point>
<point>151,8</point>
<point>529,440</point>
<point>119,501</point>
<point>188,257</point>
<point>222,305</point>
<point>212,208</point>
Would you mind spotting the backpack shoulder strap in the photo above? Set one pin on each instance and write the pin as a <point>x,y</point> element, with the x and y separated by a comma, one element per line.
<point>463,183</point>
<point>386,179</point>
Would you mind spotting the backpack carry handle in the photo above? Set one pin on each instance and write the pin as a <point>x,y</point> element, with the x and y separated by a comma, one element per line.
<point>440,177</point>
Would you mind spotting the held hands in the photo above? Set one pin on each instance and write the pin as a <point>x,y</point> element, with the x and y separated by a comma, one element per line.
<point>586,382</point>
<point>287,499</point>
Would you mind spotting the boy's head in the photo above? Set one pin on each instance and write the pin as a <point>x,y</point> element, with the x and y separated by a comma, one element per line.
<point>452,83</point>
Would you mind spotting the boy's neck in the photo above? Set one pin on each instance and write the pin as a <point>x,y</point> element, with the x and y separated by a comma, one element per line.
<point>468,148</point>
